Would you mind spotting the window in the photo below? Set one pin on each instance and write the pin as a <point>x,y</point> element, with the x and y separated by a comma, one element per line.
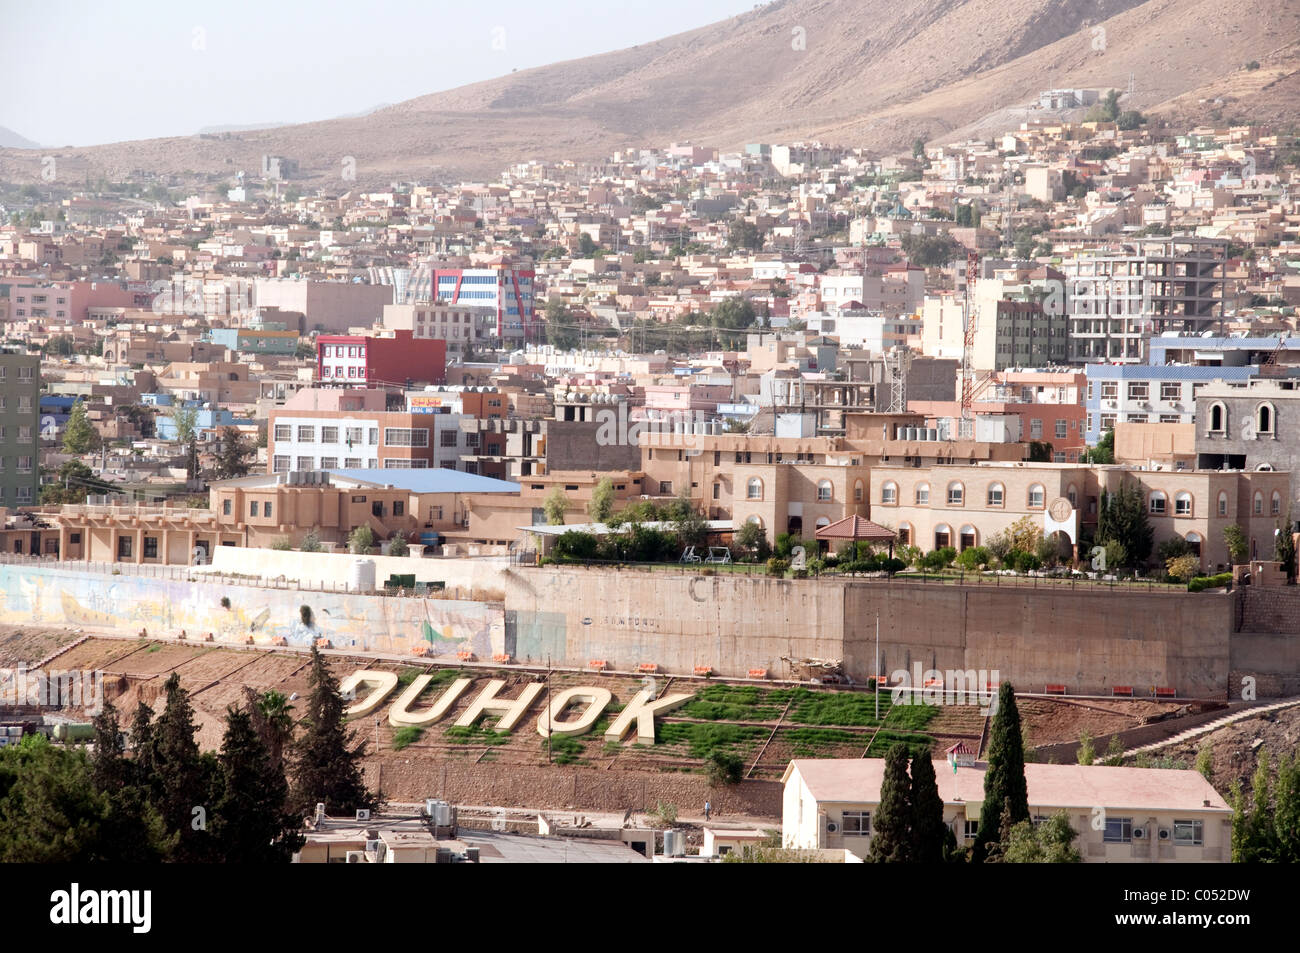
<point>329,434</point>
<point>942,535</point>
<point>665,487</point>
<point>857,492</point>
<point>124,547</point>
<point>824,491</point>
<point>25,373</point>
<point>406,437</point>
<point>24,403</point>
<point>1194,541</point>
<point>1217,417</point>
<point>1109,390</point>
<point>1062,429</point>
<point>329,463</point>
<point>1275,507</point>
<point>447,438</point>
<point>399,508</point>
<point>225,507</point>
<point>1037,496</point>
<point>1170,419</point>
<point>1157,504</point>
<point>971,829</point>
<point>283,432</point>
<point>1259,504</point>
<point>889,494</point>
<point>306,463</point>
<point>306,434</point>
<point>266,509</point>
<point>1183,504</point>
<point>1119,830</point>
<point>151,547</point>
<point>1223,504</point>
<point>754,489</point>
<point>923,494</point>
<point>374,436</point>
<point>1136,418</point>
<point>966,537</point>
<point>956,493</point>
<point>1107,422</point>
<point>856,823</point>
<point>995,494</point>
<point>280,464</point>
<point>352,463</point>
<point>1188,833</point>
<point>1138,390</point>
<point>24,464</point>
<point>353,435</point>
<point>1171,391</point>
<point>1264,419</point>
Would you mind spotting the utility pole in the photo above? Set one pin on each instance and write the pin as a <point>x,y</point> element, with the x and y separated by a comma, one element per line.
<point>548,708</point>
<point>876,690</point>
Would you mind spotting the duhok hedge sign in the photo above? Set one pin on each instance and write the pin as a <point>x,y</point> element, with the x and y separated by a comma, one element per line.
<point>555,718</point>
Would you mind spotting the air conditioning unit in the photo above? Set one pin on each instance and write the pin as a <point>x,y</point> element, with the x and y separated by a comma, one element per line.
<point>363,814</point>
<point>356,857</point>
<point>1139,833</point>
<point>832,827</point>
<point>1164,833</point>
<point>372,846</point>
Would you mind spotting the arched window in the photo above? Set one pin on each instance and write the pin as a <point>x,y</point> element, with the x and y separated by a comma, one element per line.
<point>1156,503</point>
<point>1275,507</point>
<point>956,494</point>
<point>966,538</point>
<point>904,534</point>
<point>1264,419</point>
<point>889,493</point>
<point>754,488</point>
<point>824,491</point>
<point>1194,541</point>
<point>942,536</point>
<point>923,494</point>
<point>717,488</point>
<point>1217,417</point>
<point>1223,504</point>
<point>1037,496</point>
<point>996,494</point>
<point>1183,504</point>
<point>1259,504</point>
<point>857,492</point>
<point>822,521</point>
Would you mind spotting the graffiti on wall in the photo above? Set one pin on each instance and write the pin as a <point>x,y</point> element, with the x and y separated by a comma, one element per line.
<point>167,607</point>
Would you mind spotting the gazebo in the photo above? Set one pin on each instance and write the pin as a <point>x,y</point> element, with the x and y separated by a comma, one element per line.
<point>855,528</point>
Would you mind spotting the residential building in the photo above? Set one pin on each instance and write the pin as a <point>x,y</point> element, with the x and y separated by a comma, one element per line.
<point>504,288</point>
<point>1146,393</point>
<point>461,326</point>
<point>1149,814</point>
<point>390,357</point>
<point>20,391</point>
<point>1249,425</point>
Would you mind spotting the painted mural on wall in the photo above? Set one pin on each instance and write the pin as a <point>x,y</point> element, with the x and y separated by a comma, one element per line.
<point>168,607</point>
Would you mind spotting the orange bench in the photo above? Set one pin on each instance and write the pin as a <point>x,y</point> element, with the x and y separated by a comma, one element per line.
<point>882,680</point>
<point>421,648</point>
<point>933,683</point>
<point>648,667</point>
<point>465,656</point>
<point>758,673</point>
<point>1165,693</point>
<point>597,664</point>
<point>279,640</point>
<point>1124,690</point>
<point>502,657</point>
<point>1054,689</point>
<point>704,670</point>
<point>323,643</point>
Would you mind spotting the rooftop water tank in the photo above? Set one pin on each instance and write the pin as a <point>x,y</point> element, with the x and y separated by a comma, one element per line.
<point>361,575</point>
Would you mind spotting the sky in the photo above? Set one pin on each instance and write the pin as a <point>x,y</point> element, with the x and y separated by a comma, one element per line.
<point>85,72</point>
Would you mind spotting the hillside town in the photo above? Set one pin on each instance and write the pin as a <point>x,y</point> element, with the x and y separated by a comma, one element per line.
<point>747,441</point>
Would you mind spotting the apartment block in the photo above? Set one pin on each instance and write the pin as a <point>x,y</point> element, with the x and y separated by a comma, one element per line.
<point>391,357</point>
<point>20,388</point>
<point>1145,393</point>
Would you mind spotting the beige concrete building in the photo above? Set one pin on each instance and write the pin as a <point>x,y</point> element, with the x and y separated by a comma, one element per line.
<point>963,506</point>
<point>1122,815</point>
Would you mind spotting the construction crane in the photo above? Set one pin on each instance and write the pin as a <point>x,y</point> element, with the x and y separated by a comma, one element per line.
<point>966,428</point>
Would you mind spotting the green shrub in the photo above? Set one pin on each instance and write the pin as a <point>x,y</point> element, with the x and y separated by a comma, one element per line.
<point>310,543</point>
<point>282,543</point>
<point>305,613</point>
<point>938,559</point>
<point>361,540</point>
<point>724,768</point>
<point>1201,583</point>
<point>973,558</point>
<point>398,546</point>
<point>408,734</point>
<point>778,567</point>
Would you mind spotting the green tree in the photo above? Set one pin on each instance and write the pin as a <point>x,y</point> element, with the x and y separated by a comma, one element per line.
<point>310,542</point>
<point>1235,538</point>
<point>251,823</point>
<point>398,546</point>
<point>1285,549</point>
<point>1254,822</point>
<point>555,506</point>
<point>891,835</point>
<point>752,538</point>
<point>1104,452</point>
<point>602,501</point>
<point>79,434</point>
<point>586,246</point>
<point>133,830</point>
<point>327,756</point>
<point>1123,519</point>
<point>71,483</point>
<point>918,148</point>
<point>361,541</point>
<point>1051,842</point>
<point>1004,780</point>
<point>233,457</point>
<point>186,420</point>
<point>744,234</point>
<point>50,811</point>
<point>272,717</point>
<point>192,467</point>
<point>724,768</point>
<point>1086,753</point>
<point>180,774</point>
<point>691,527</point>
<point>931,837</point>
<point>561,332</point>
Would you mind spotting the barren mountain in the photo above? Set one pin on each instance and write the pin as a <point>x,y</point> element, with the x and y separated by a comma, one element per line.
<point>867,73</point>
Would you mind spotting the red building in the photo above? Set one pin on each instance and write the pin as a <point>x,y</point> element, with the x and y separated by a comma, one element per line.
<point>394,357</point>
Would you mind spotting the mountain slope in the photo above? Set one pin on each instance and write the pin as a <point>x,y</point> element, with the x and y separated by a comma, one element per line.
<point>874,73</point>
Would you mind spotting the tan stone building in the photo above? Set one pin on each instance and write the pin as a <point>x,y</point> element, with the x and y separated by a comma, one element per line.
<point>963,505</point>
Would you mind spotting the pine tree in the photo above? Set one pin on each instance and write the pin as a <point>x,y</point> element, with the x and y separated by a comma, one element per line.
<point>1286,811</point>
<point>891,839</point>
<point>327,765</point>
<point>180,783</point>
<point>78,433</point>
<point>1004,779</point>
<point>132,830</point>
<point>232,460</point>
<point>929,832</point>
<point>251,823</point>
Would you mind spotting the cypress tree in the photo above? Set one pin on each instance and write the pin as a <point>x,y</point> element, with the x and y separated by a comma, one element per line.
<point>180,788</point>
<point>327,764</point>
<point>142,743</point>
<point>891,839</point>
<point>251,823</point>
<point>1004,779</point>
<point>929,832</point>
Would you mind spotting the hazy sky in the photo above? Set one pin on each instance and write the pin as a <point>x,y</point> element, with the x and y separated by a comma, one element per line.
<point>77,72</point>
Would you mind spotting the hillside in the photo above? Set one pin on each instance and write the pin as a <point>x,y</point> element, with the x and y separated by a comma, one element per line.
<point>855,72</point>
